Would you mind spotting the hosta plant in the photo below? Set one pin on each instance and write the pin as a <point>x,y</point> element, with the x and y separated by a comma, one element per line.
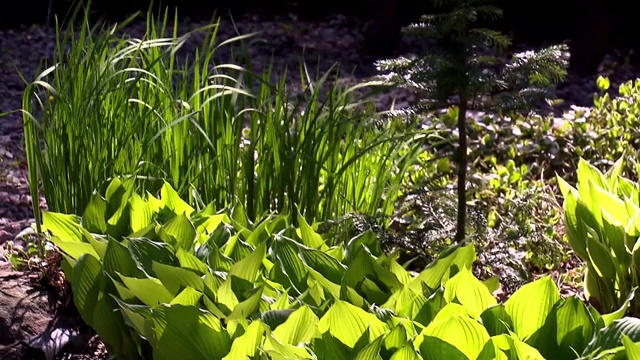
<point>159,279</point>
<point>602,216</point>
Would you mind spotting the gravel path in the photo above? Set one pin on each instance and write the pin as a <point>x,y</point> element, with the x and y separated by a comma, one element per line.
<point>335,39</point>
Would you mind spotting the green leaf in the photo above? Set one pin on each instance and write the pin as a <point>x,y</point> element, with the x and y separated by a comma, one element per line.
<point>173,201</point>
<point>371,351</point>
<point>466,334</point>
<point>496,320</point>
<point>182,230</point>
<point>611,336</point>
<point>74,249</point>
<point>309,237</point>
<point>575,326</point>
<point>602,83</point>
<point>323,263</point>
<point>117,259</point>
<point>467,290</point>
<point>246,346</point>
<point>407,352</point>
<point>86,286</point>
<point>289,262</point>
<point>506,347</point>
<point>249,306</point>
<point>175,278</point>
<point>249,267</point>
<point>150,291</point>
<point>433,348</point>
<point>300,327</point>
<point>94,215</point>
<point>347,323</point>
<point>66,227</point>
<point>141,213</point>
<point>186,332</point>
<point>632,349</point>
<point>187,297</point>
<point>454,258</point>
<point>144,252</point>
<point>189,261</point>
<point>277,351</point>
<point>530,305</point>
<point>601,259</point>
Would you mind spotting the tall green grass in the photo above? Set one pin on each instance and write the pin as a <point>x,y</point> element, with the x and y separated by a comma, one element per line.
<point>218,132</point>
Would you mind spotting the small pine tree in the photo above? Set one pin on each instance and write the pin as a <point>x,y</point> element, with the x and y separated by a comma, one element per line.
<point>463,68</point>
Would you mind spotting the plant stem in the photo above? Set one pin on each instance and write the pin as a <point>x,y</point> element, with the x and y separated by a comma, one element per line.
<point>462,168</point>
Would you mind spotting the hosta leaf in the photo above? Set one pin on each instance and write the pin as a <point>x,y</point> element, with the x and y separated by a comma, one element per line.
<point>609,203</point>
<point>407,352</point>
<point>65,227</point>
<point>141,213</point>
<point>277,351</point>
<point>456,257</point>
<point>249,306</point>
<point>249,267</point>
<point>347,323</point>
<point>186,332</point>
<point>467,290</point>
<point>323,263</point>
<point>189,261</point>
<point>150,291</point>
<point>173,201</point>
<point>424,310</point>
<point>397,338</point>
<point>619,314</point>
<point>291,265</point>
<point>328,286</point>
<point>117,259</point>
<point>182,230</point>
<point>589,173</point>
<point>632,349</point>
<point>496,320</point>
<point>328,347</point>
<point>575,327</point>
<point>175,278</point>
<point>433,348</point>
<point>573,223</point>
<point>530,305</point>
<point>212,222</point>
<point>94,215</point>
<point>611,336</point>
<point>505,347</point>
<point>371,351</point>
<point>74,249</point>
<point>461,331</point>
<point>144,252</point>
<point>86,286</point>
<point>187,297</point>
<point>601,259</point>
<point>300,327</point>
<point>308,236</point>
<point>246,346</point>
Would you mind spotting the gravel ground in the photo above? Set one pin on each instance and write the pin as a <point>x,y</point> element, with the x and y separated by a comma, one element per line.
<point>322,43</point>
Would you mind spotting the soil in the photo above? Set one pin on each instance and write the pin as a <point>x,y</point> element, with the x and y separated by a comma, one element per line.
<point>36,308</point>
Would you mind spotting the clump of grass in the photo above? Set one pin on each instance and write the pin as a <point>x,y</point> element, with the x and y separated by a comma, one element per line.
<point>113,106</point>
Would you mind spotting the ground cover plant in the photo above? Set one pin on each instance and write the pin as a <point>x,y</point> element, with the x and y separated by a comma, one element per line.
<point>159,279</point>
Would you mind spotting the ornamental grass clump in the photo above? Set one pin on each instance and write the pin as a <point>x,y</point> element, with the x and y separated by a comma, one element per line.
<point>136,107</point>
